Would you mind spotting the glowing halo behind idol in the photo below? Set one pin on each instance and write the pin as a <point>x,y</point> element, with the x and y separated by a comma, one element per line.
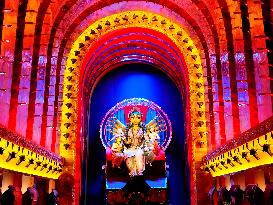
<point>152,116</point>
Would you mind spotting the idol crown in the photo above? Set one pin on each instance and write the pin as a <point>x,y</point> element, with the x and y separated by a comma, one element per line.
<point>135,110</point>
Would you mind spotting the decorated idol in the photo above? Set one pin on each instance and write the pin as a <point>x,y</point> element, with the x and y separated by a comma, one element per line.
<point>135,133</point>
<point>134,143</point>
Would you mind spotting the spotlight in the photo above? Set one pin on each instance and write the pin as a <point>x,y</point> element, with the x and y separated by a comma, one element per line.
<point>87,38</point>
<point>253,152</point>
<point>201,134</point>
<point>218,165</point>
<point>244,155</point>
<point>43,167</point>
<point>194,57</point>
<point>212,168</point>
<point>199,94</point>
<point>266,148</point>
<point>236,159</point>
<point>21,159</point>
<point>31,161</point>
<point>55,169</point>
<point>37,165</point>
<point>230,162</point>
<point>49,169</point>
<point>200,143</point>
<point>223,164</point>
<point>11,156</point>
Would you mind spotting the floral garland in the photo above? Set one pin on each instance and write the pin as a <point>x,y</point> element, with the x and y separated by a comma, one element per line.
<point>257,131</point>
<point>21,141</point>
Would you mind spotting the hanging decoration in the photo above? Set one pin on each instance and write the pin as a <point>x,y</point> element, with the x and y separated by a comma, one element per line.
<point>251,149</point>
<point>18,154</point>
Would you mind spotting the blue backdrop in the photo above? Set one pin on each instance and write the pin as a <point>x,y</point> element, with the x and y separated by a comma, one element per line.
<point>142,81</point>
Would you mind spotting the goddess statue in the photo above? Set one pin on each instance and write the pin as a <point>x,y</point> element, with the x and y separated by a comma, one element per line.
<point>134,144</point>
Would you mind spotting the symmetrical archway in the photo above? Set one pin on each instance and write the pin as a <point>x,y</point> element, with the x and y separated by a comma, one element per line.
<point>44,99</point>
<point>85,66</point>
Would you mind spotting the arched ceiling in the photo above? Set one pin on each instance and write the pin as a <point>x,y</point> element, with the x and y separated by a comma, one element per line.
<point>135,41</point>
<point>233,39</point>
<point>55,25</point>
<point>150,30</point>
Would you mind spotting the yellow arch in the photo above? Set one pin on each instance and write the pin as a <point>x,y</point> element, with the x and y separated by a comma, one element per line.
<point>125,20</point>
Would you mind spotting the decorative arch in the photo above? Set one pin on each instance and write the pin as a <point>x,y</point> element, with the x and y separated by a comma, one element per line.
<point>156,44</point>
<point>71,132</point>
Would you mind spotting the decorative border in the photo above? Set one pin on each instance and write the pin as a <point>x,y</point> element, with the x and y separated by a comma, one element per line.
<point>252,148</point>
<point>135,102</point>
<point>18,154</point>
<point>70,120</point>
<point>178,35</point>
<point>255,132</point>
<point>22,142</point>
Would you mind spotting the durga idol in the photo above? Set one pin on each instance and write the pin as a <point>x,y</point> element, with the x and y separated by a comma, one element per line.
<point>134,142</point>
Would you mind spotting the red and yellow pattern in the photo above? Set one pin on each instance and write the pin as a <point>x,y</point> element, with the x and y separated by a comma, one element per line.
<point>192,75</point>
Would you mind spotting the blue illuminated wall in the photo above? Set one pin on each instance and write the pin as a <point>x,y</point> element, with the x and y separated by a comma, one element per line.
<point>142,81</point>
